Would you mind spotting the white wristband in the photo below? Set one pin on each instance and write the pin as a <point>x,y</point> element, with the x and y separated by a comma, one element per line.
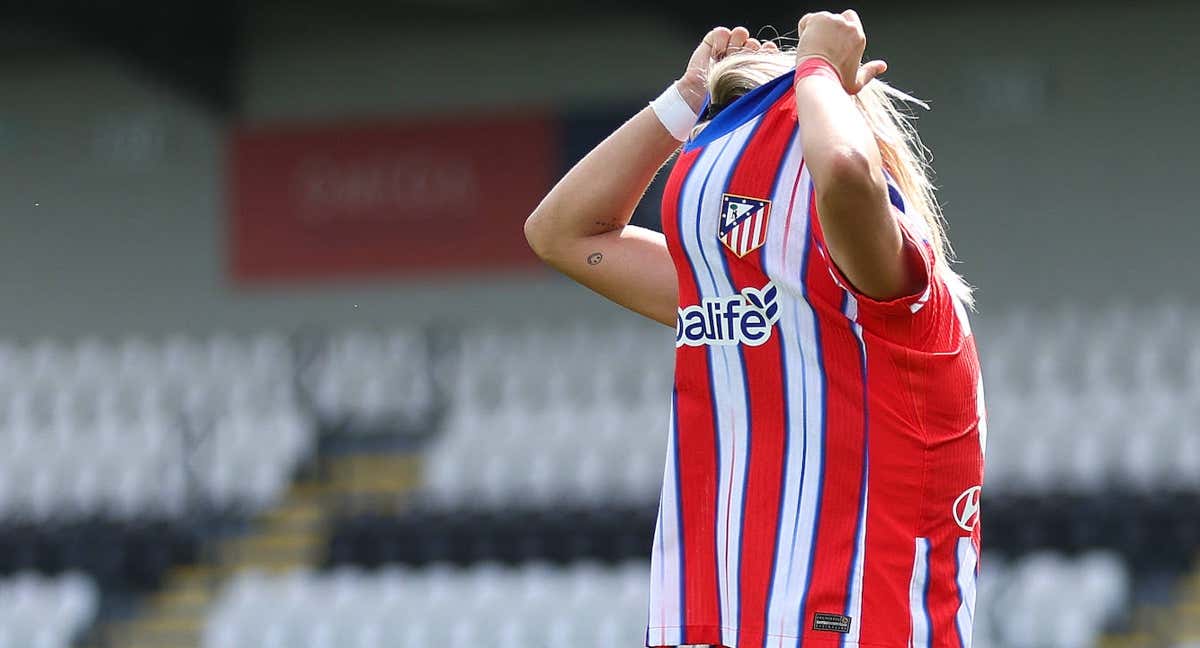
<point>675,113</point>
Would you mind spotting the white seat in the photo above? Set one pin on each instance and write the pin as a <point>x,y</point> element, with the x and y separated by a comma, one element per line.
<point>42,612</point>
<point>181,356</point>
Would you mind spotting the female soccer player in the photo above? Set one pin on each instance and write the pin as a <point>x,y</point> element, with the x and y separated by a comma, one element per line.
<point>826,444</point>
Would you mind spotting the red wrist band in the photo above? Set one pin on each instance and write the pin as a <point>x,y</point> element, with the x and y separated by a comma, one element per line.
<point>817,66</point>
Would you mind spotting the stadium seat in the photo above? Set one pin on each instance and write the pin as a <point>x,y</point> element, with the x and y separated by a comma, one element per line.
<point>39,612</point>
<point>1068,602</point>
<point>367,381</point>
<point>113,429</point>
<point>1076,404</point>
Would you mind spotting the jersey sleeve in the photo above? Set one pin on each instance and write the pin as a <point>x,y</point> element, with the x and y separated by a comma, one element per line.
<point>918,252</point>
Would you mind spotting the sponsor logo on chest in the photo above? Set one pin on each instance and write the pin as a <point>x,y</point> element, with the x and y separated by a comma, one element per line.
<point>747,318</point>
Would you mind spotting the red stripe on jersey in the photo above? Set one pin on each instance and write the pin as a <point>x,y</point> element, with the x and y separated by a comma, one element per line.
<point>697,440</point>
<point>957,466</point>
<point>943,595</point>
<point>916,390</point>
<point>895,404</point>
<point>755,175</point>
<point>891,519</point>
<point>844,438</point>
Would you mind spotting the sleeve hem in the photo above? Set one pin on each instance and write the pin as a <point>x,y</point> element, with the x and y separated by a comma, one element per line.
<point>917,255</point>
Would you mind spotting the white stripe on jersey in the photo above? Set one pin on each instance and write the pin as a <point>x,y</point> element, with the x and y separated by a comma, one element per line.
<point>966,561</point>
<point>783,602</point>
<point>916,596</point>
<point>665,573</point>
<point>698,234</point>
<point>854,610</point>
<point>851,309</point>
<point>784,262</point>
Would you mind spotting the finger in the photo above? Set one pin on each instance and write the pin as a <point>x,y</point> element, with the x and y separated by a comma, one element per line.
<point>852,16</point>
<point>716,37</point>
<point>719,40</point>
<point>705,46</point>
<point>808,18</point>
<point>738,38</point>
<point>770,46</point>
<point>753,44</point>
<point>869,71</point>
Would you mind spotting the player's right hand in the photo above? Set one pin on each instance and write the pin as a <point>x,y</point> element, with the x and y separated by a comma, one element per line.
<point>716,45</point>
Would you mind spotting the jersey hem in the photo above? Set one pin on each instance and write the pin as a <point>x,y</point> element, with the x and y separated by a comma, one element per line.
<point>701,635</point>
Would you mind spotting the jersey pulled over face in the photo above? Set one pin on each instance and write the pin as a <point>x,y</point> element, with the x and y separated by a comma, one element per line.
<point>826,450</point>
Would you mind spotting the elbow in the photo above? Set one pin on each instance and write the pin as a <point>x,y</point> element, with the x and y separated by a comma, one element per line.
<point>536,236</point>
<point>849,173</point>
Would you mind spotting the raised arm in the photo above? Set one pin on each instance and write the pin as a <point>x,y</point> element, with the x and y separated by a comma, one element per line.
<point>582,228</point>
<point>861,233</point>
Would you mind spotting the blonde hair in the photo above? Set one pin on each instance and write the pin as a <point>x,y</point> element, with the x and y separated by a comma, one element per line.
<point>905,157</point>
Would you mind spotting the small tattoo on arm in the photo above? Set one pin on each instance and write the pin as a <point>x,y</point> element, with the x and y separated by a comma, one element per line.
<point>595,258</point>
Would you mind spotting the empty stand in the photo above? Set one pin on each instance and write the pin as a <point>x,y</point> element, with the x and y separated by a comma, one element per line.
<point>142,429</point>
<point>372,383</point>
<point>569,416</point>
<point>1062,602</point>
<point>1044,600</point>
<point>542,453</point>
<point>1080,400</point>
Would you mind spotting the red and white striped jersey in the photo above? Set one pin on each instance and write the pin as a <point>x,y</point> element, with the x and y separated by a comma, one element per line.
<point>826,449</point>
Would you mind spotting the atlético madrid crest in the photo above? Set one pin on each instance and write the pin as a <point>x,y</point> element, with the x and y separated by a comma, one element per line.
<point>743,223</point>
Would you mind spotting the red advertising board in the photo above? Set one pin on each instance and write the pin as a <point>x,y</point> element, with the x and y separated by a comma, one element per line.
<point>386,198</point>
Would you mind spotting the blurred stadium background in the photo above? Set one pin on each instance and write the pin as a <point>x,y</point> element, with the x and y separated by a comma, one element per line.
<point>278,371</point>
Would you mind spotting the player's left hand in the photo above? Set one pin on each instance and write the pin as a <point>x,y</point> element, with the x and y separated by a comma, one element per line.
<point>718,43</point>
<point>839,39</point>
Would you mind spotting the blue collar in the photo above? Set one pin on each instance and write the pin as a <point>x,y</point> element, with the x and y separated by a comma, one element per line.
<point>742,110</point>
